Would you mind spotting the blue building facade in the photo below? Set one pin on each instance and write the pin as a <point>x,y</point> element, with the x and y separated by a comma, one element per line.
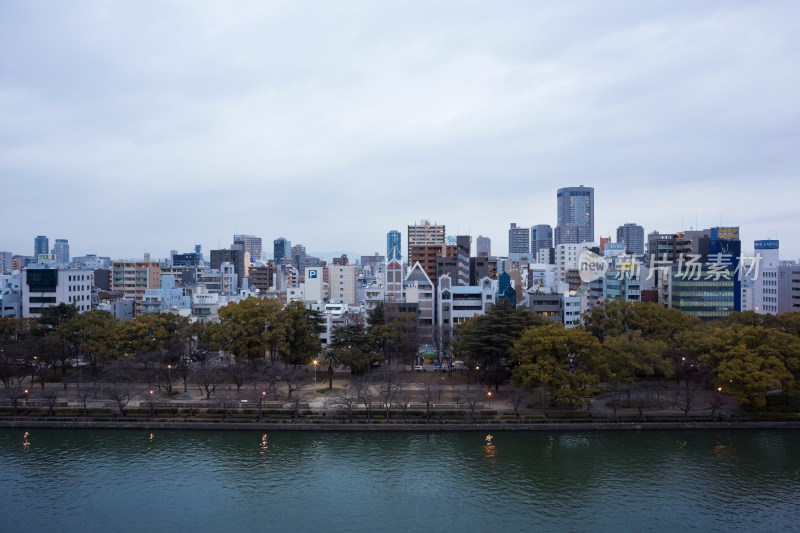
<point>394,246</point>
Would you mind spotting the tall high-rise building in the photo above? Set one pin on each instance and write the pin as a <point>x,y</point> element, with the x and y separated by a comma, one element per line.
<point>425,234</point>
<point>575,215</point>
<point>724,246</point>
<point>41,245</point>
<point>61,251</point>
<point>541,237</point>
<point>394,245</point>
<point>633,237</point>
<point>251,244</point>
<point>282,249</point>
<point>519,241</point>
<point>483,246</point>
<point>765,284</point>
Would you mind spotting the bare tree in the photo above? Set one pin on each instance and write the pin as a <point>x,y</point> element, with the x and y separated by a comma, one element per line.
<point>51,397</point>
<point>293,380</point>
<point>120,393</point>
<point>83,395</point>
<point>184,369</point>
<point>14,392</point>
<point>206,379</point>
<point>227,403</point>
<point>430,390</point>
<point>117,386</point>
<point>389,384</point>
<point>346,399</point>
<point>270,377</point>
<point>297,401</point>
<point>689,392</point>
<point>516,396</point>
<point>38,367</point>
<point>472,398</point>
<point>10,371</point>
<point>239,373</point>
<point>165,377</point>
<point>402,399</point>
<point>148,359</point>
<point>365,394</point>
<point>150,400</point>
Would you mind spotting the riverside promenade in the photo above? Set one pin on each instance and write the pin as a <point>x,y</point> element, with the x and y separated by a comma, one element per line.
<point>317,407</point>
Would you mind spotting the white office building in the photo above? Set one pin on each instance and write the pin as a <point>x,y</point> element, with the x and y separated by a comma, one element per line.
<point>48,287</point>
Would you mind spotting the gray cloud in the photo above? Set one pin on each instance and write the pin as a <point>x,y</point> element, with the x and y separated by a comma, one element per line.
<point>134,126</point>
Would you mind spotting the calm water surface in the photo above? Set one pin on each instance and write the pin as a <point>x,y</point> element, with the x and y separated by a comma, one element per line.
<point>135,480</point>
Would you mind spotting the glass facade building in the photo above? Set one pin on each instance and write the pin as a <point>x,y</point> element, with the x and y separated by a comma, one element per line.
<point>575,210</point>
<point>394,245</point>
<point>707,292</point>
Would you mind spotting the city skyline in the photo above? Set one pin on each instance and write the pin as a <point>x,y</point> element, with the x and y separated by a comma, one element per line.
<point>331,126</point>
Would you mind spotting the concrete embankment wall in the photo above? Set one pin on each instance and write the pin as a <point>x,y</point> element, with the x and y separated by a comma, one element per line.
<point>381,426</point>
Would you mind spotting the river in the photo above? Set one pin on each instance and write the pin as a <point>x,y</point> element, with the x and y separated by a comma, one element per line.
<point>137,480</point>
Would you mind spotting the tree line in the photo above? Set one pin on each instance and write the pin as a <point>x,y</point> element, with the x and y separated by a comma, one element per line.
<point>622,345</point>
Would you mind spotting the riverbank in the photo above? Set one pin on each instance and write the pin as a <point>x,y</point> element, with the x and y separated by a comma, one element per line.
<point>385,425</point>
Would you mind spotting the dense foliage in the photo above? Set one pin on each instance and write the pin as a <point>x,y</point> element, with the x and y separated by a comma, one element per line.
<point>621,346</point>
<point>626,343</point>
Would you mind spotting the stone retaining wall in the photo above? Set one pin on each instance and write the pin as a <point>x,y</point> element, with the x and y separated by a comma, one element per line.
<point>391,425</point>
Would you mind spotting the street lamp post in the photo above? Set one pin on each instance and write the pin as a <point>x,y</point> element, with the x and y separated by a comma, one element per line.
<point>315,370</point>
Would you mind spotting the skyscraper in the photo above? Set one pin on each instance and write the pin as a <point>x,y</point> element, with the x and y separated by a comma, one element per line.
<point>541,237</point>
<point>251,244</point>
<point>519,241</point>
<point>633,237</point>
<point>575,215</point>
<point>282,249</point>
<point>725,247</point>
<point>41,245</point>
<point>61,251</point>
<point>394,245</point>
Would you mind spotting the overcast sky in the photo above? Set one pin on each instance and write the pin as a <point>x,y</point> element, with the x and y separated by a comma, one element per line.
<point>128,127</point>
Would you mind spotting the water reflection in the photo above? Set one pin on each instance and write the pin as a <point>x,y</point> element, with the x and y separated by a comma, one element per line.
<point>78,480</point>
<point>25,442</point>
<point>490,450</point>
<point>264,444</point>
